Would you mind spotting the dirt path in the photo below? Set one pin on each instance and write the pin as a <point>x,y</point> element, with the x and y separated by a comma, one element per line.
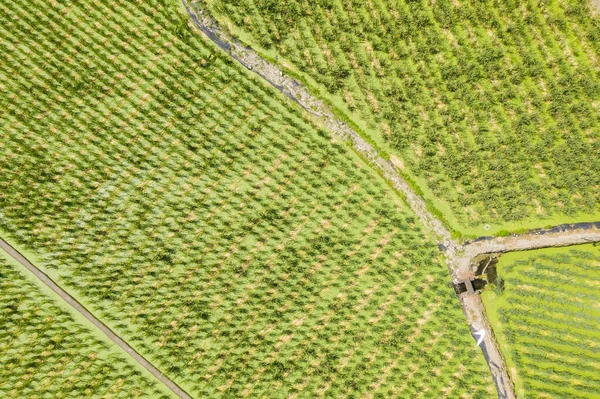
<point>523,242</point>
<point>458,256</point>
<point>97,323</point>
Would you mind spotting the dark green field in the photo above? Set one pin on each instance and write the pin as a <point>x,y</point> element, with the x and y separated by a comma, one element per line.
<point>492,106</point>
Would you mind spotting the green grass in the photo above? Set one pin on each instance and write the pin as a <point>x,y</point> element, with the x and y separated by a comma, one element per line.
<point>230,241</point>
<point>547,321</point>
<point>46,351</point>
<point>492,105</point>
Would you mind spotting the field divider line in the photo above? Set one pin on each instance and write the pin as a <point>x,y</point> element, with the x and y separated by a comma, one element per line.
<point>46,280</point>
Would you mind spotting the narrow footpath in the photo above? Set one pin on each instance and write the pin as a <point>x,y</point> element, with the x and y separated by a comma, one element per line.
<point>97,323</point>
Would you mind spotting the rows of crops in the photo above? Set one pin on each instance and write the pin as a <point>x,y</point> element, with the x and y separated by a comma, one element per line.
<point>492,105</point>
<point>548,321</point>
<point>46,353</point>
<point>227,239</point>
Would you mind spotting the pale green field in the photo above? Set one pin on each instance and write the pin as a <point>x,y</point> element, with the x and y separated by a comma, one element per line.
<point>547,321</point>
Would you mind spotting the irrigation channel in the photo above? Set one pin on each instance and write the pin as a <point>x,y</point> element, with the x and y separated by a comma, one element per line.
<point>78,307</point>
<point>461,259</point>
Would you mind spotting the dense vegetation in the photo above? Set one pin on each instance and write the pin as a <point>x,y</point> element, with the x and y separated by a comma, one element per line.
<point>548,321</point>
<point>46,353</point>
<point>492,105</point>
<point>222,235</point>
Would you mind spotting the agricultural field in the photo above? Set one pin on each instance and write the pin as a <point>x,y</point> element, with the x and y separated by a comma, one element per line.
<point>491,107</point>
<point>226,237</point>
<point>547,320</point>
<point>47,352</point>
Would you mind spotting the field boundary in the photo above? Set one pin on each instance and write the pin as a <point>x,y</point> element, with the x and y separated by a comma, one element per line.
<point>79,308</point>
<point>459,256</point>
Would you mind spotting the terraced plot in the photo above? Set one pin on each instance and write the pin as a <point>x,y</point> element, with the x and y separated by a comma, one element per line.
<point>46,352</point>
<point>231,242</point>
<point>492,106</point>
<point>547,320</point>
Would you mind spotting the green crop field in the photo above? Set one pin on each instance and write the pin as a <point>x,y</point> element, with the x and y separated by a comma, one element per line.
<point>46,352</point>
<point>492,106</point>
<point>213,226</point>
<point>547,320</point>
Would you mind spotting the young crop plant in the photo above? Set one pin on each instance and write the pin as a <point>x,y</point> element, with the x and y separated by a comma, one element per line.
<point>545,315</point>
<point>492,106</point>
<point>47,352</point>
<point>211,225</point>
